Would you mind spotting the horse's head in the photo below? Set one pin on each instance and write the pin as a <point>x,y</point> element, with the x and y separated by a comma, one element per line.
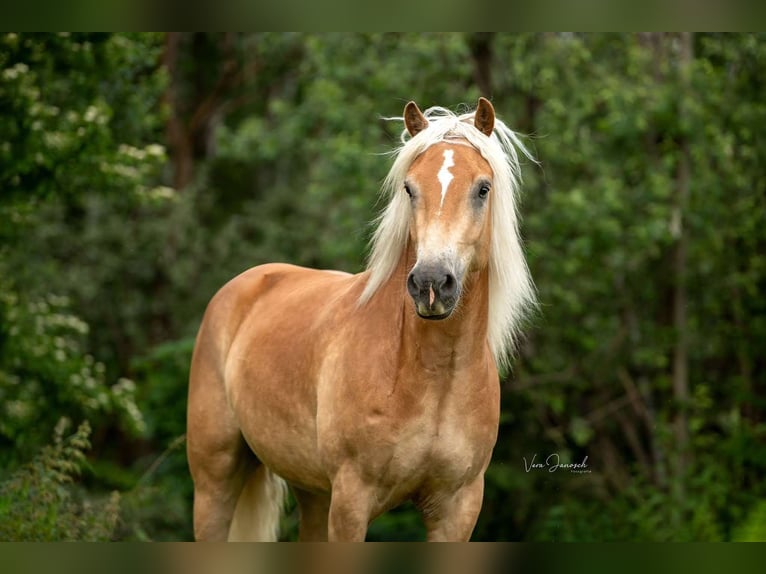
<point>449,187</point>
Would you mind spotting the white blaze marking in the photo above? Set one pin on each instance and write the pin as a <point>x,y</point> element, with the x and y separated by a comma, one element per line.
<point>444,175</point>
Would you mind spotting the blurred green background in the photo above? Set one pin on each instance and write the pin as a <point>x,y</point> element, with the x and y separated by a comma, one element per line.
<point>140,172</point>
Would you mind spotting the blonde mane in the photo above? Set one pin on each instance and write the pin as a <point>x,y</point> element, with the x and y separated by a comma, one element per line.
<point>511,291</point>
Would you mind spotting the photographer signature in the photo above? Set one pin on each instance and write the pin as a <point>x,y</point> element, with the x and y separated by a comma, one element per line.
<point>553,463</point>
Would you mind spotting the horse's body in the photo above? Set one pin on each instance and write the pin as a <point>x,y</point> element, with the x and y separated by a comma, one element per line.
<point>343,388</point>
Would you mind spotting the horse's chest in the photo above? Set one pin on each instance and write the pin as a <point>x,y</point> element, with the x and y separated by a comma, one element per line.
<point>448,447</point>
<point>410,433</point>
<point>456,454</point>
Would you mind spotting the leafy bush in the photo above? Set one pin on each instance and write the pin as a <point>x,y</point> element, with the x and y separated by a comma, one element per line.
<point>46,373</point>
<point>754,527</point>
<point>40,501</point>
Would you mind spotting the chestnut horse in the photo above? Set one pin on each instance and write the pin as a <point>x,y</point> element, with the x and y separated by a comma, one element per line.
<point>364,391</point>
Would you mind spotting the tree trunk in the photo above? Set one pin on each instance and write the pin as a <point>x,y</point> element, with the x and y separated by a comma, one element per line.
<point>203,73</point>
<point>480,44</point>
<point>680,296</point>
<point>181,149</point>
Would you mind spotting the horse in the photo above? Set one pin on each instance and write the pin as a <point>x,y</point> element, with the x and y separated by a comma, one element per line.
<point>365,391</point>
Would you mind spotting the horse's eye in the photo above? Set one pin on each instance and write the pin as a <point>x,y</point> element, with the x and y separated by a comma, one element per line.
<point>483,191</point>
<point>408,190</point>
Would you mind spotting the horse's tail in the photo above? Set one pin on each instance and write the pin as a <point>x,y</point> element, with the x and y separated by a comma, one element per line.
<point>259,508</point>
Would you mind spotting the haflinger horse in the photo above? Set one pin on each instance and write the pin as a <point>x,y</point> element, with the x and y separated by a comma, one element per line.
<point>364,391</point>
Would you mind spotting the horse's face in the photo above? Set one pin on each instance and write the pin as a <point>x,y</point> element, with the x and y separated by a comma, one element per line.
<point>450,186</point>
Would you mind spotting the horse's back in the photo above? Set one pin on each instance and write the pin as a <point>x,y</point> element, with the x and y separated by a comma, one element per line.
<point>250,296</point>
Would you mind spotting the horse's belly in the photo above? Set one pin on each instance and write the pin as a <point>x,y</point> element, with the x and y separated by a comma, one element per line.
<point>275,412</point>
<point>290,459</point>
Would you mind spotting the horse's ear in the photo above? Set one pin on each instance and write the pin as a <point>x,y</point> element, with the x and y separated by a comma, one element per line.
<point>414,120</point>
<point>484,118</point>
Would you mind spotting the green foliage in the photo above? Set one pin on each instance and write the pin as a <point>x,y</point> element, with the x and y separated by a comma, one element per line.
<point>39,502</point>
<point>46,373</point>
<point>58,96</point>
<point>163,376</point>
<point>80,120</point>
<point>754,528</point>
<point>157,506</point>
<point>400,524</point>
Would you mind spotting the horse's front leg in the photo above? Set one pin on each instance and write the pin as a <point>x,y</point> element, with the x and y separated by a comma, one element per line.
<point>350,506</point>
<point>451,517</point>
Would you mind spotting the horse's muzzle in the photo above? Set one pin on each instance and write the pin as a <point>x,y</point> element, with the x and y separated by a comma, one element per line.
<point>435,291</point>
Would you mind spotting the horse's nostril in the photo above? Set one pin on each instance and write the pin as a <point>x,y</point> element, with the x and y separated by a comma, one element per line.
<point>449,285</point>
<point>412,285</point>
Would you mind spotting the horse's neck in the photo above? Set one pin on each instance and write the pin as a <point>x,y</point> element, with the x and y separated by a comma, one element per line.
<point>452,344</point>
